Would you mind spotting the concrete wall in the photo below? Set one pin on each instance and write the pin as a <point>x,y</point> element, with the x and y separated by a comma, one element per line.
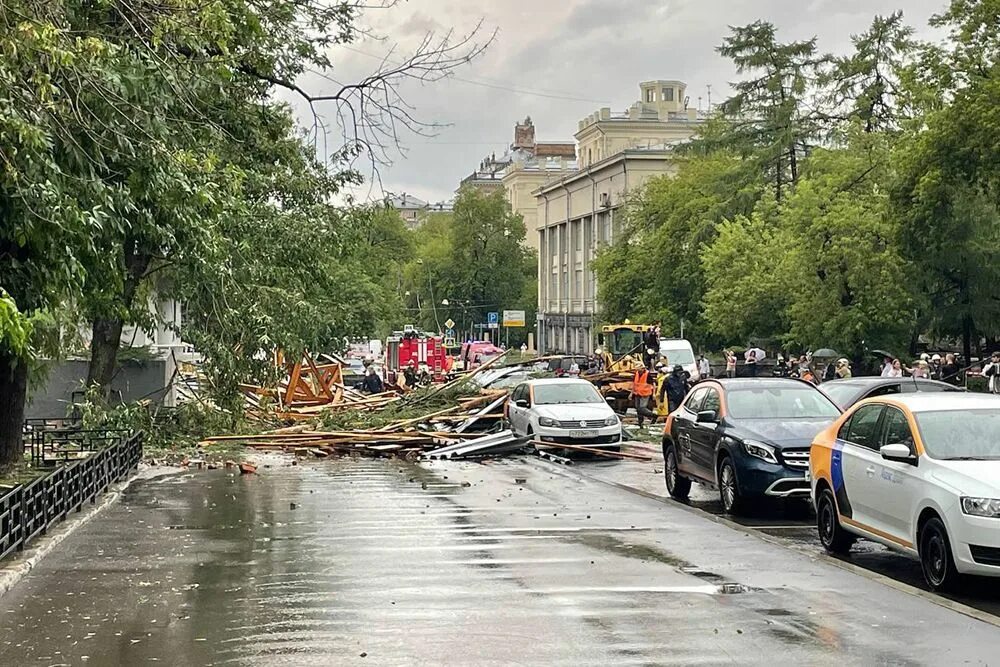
<point>135,380</point>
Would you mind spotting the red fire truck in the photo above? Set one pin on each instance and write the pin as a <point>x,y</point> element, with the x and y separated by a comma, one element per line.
<point>408,345</point>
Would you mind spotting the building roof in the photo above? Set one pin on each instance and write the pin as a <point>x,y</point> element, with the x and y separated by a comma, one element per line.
<point>656,152</point>
<point>555,149</point>
<point>406,202</point>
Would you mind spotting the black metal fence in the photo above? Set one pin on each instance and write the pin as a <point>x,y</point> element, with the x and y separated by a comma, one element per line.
<point>88,462</point>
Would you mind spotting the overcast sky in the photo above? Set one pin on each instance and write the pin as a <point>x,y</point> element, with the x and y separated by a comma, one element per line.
<point>560,60</point>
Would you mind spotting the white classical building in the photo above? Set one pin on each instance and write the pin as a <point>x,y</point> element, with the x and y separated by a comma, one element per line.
<point>581,210</point>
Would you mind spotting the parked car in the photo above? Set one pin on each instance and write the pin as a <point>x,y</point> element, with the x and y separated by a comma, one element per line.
<point>563,411</point>
<point>504,377</point>
<point>561,364</point>
<point>747,437</point>
<point>919,473</point>
<point>847,392</point>
<point>353,372</point>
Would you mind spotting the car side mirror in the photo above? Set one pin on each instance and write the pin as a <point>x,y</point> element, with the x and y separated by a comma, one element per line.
<point>898,452</point>
<point>522,403</point>
<point>707,417</point>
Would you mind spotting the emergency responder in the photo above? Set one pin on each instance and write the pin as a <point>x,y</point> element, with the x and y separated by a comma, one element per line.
<point>372,383</point>
<point>642,391</point>
<point>676,387</point>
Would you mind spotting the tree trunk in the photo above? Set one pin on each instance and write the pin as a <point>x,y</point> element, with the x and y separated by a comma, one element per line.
<point>13,395</point>
<point>107,332</point>
<point>967,338</point>
<point>104,344</point>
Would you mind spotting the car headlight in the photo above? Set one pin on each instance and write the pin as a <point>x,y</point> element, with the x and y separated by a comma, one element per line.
<point>547,421</point>
<point>989,507</point>
<point>760,450</point>
<point>611,421</point>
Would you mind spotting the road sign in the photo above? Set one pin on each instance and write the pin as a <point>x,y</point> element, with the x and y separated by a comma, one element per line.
<point>449,323</point>
<point>513,318</point>
<point>493,320</point>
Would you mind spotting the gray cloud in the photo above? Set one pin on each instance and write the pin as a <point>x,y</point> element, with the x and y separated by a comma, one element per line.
<point>594,51</point>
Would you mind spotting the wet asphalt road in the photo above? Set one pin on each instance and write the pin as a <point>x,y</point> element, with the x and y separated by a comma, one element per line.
<point>513,562</point>
<point>791,522</point>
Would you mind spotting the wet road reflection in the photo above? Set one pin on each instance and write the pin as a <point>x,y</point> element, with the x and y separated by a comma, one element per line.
<point>792,521</point>
<point>384,562</point>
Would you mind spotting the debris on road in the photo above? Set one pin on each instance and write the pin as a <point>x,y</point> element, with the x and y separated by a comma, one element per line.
<point>458,430</point>
<point>610,453</point>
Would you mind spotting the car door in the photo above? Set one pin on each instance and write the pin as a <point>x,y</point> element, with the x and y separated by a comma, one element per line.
<point>517,416</point>
<point>901,485</point>
<point>683,426</point>
<point>860,462</point>
<point>705,436</point>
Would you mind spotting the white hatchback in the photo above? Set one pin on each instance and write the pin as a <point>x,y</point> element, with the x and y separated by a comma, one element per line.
<point>563,411</point>
<point>919,473</point>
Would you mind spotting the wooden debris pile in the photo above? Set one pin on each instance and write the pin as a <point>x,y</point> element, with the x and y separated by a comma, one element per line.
<point>312,388</point>
<point>460,424</point>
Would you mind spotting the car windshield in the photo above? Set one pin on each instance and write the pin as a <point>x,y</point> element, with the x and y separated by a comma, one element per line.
<point>779,403</point>
<point>507,381</point>
<point>677,355</point>
<point>961,434</point>
<point>842,393</point>
<point>559,394</point>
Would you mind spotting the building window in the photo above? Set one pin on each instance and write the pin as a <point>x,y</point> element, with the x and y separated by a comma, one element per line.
<point>668,94</point>
<point>650,95</point>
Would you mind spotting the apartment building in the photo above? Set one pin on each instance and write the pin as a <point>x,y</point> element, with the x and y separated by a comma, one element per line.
<point>580,211</point>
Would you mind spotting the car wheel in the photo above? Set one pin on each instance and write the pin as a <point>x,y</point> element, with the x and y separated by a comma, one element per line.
<point>936,558</point>
<point>832,535</point>
<point>678,486</point>
<point>729,488</point>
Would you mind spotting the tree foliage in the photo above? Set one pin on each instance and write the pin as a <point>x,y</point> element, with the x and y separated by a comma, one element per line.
<point>475,260</point>
<point>142,153</point>
<point>845,201</point>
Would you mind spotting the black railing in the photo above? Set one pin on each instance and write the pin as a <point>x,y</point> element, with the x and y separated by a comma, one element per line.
<point>89,464</point>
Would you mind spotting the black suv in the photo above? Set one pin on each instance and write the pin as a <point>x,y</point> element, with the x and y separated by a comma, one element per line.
<point>747,437</point>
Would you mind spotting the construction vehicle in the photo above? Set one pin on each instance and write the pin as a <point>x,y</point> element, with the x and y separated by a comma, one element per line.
<point>621,350</point>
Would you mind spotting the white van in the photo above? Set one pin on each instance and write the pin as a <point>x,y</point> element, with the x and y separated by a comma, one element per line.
<point>679,351</point>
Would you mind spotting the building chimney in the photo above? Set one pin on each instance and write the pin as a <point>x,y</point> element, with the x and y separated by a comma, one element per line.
<point>524,135</point>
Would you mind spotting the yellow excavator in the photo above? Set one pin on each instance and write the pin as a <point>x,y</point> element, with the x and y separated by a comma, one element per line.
<point>621,349</point>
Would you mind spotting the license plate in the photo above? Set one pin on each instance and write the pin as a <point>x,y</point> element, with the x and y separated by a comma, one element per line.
<point>583,434</point>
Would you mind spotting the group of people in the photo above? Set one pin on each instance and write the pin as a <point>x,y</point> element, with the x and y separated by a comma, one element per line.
<point>927,366</point>
<point>669,388</point>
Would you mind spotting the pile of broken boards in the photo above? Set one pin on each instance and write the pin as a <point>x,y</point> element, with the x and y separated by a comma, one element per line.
<point>472,428</point>
<point>311,387</point>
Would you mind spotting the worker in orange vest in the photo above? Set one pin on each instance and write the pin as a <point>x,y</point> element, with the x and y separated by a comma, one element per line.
<point>642,392</point>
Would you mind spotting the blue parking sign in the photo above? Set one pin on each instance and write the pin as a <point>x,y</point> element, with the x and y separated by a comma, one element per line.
<point>492,318</point>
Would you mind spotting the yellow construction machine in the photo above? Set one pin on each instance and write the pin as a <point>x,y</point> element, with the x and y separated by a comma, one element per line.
<point>621,349</point>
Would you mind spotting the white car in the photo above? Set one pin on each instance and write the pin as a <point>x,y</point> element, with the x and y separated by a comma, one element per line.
<point>563,411</point>
<point>919,473</point>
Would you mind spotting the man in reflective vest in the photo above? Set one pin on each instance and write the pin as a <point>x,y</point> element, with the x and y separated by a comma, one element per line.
<point>642,391</point>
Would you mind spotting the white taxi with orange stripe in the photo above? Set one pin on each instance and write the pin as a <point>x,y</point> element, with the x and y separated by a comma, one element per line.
<point>919,473</point>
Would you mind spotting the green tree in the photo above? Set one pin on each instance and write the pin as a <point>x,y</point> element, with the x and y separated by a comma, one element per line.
<point>475,260</point>
<point>866,88</point>
<point>745,278</point>
<point>653,270</point>
<point>768,122</point>
<point>946,192</point>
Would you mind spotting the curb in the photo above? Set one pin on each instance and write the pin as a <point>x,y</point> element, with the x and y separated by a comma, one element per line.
<point>933,598</point>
